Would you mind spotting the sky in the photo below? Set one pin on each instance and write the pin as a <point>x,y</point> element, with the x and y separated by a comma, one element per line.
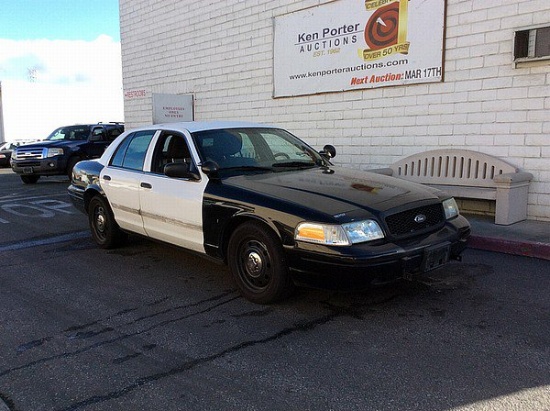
<point>70,45</point>
<point>59,19</point>
<point>55,40</point>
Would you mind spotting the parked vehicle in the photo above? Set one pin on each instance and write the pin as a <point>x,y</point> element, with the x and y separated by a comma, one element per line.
<point>5,153</point>
<point>271,207</point>
<point>62,149</point>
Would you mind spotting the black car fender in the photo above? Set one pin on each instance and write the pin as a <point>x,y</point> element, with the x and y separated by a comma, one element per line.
<point>220,219</point>
<point>221,216</point>
<point>86,181</point>
<point>226,207</point>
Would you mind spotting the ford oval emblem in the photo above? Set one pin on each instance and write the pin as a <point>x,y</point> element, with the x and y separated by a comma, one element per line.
<point>420,218</point>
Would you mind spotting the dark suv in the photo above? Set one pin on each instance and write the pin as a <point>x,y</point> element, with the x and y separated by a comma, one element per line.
<point>62,149</point>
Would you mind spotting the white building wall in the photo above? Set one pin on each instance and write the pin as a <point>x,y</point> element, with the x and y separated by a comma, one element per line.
<point>222,53</point>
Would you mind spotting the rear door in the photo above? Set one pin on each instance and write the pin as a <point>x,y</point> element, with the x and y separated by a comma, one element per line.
<point>121,180</point>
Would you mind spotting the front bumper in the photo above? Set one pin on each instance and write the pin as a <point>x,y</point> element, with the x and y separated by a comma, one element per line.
<point>40,167</point>
<point>362,265</point>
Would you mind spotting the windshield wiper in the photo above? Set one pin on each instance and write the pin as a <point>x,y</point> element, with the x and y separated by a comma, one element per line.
<point>247,168</point>
<point>295,164</point>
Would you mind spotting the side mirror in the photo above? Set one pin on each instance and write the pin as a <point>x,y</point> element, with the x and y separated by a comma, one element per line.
<point>96,137</point>
<point>179,170</point>
<point>328,151</point>
<point>210,168</point>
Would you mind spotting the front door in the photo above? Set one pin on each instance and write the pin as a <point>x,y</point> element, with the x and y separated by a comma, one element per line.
<point>171,208</point>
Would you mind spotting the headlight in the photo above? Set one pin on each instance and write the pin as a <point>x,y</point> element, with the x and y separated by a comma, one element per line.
<point>52,152</point>
<point>321,234</point>
<point>361,231</point>
<point>345,234</point>
<point>451,208</point>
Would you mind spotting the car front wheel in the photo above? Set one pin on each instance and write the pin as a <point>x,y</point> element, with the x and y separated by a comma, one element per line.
<point>258,265</point>
<point>105,230</point>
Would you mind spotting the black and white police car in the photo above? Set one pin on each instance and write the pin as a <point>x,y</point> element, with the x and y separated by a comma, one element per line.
<point>272,208</point>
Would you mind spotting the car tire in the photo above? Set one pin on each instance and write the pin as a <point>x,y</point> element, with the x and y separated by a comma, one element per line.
<point>257,263</point>
<point>70,165</point>
<point>105,230</point>
<point>29,179</point>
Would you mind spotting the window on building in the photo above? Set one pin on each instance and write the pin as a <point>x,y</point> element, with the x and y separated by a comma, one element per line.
<point>532,44</point>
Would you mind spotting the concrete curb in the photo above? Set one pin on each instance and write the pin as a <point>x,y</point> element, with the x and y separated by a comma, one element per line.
<point>3,406</point>
<point>521,248</point>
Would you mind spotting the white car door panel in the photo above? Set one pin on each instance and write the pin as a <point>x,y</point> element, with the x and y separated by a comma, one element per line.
<point>121,179</point>
<point>122,190</point>
<point>171,209</point>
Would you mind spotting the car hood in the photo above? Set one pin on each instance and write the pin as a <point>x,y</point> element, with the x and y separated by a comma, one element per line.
<point>337,190</point>
<point>53,144</point>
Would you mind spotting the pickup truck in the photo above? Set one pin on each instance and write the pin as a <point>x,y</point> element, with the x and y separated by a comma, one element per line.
<point>62,149</point>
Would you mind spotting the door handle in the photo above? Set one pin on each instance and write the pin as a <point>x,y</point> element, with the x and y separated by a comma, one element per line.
<point>106,177</point>
<point>146,185</point>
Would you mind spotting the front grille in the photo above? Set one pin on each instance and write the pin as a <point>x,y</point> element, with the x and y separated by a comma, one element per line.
<point>410,221</point>
<point>29,153</point>
<point>27,163</point>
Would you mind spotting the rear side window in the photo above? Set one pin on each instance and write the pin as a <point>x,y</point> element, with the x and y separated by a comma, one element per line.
<point>131,152</point>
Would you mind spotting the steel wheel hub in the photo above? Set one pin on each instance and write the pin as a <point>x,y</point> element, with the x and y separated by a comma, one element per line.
<point>100,221</point>
<point>254,264</point>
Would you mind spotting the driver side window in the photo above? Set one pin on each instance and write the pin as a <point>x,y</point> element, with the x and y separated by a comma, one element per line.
<point>98,134</point>
<point>171,148</point>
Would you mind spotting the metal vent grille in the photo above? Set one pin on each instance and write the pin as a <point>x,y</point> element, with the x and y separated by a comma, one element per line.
<point>29,153</point>
<point>415,220</point>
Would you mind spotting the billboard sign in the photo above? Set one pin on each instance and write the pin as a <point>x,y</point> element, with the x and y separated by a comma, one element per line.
<point>358,44</point>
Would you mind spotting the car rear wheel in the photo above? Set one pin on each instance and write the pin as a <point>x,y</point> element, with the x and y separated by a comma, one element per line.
<point>29,179</point>
<point>105,230</point>
<point>258,265</point>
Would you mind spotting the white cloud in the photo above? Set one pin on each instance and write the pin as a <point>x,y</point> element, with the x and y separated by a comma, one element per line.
<point>95,62</point>
<point>50,83</point>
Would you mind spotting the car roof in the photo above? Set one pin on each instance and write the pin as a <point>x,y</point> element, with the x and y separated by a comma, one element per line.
<point>193,126</point>
<point>92,124</point>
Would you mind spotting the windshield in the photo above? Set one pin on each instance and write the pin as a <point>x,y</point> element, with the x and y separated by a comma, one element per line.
<point>70,133</point>
<point>255,149</point>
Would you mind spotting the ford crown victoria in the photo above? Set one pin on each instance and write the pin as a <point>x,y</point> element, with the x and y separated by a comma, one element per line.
<point>262,201</point>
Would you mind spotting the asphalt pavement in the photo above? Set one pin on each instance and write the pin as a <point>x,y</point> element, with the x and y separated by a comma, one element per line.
<point>507,351</point>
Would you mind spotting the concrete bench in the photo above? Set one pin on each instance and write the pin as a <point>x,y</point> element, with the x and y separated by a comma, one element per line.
<point>469,174</point>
